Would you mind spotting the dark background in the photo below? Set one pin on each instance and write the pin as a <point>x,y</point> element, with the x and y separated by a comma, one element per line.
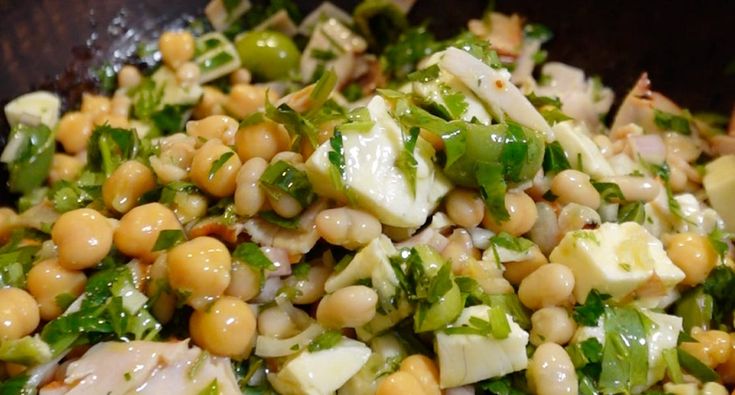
<point>687,47</point>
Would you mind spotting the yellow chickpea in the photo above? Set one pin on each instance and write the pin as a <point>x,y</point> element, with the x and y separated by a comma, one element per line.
<point>693,254</point>
<point>244,100</point>
<point>515,272</point>
<point>262,140</point>
<point>549,285</point>
<point>73,131</point>
<point>226,328</point>
<point>465,207</point>
<point>83,237</point>
<point>188,74</point>
<point>19,314</point>
<point>241,76</point>
<point>126,185</point>
<point>47,280</point>
<point>574,186</point>
<point>139,228</point>
<point>221,183</point>
<point>64,167</point>
<point>727,368</point>
<point>214,127</point>
<point>522,211</point>
<point>244,282</point>
<point>400,383</point>
<point>158,290</point>
<point>200,267</point>
<point>121,104</point>
<point>95,105</point>
<point>177,47</point>
<point>424,370</point>
<point>129,76</point>
<point>348,307</point>
<point>189,207</point>
<point>712,348</point>
<point>211,103</point>
<point>347,227</point>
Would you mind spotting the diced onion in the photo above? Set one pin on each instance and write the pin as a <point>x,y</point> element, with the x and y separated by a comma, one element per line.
<point>270,347</point>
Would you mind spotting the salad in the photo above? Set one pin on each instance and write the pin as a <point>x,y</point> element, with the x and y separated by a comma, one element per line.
<point>343,203</point>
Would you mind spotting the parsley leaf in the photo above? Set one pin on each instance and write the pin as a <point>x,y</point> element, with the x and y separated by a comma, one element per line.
<point>28,154</point>
<point>696,368</point>
<point>720,241</point>
<point>282,177</point>
<point>593,308</point>
<point>625,352</point>
<point>168,238</point>
<point>609,191</point>
<point>273,217</point>
<point>252,255</point>
<point>508,241</point>
<point>219,162</point>
<point>492,189</point>
<point>406,161</point>
<point>338,167</point>
<point>671,122</point>
<point>108,147</point>
<point>295,123</point>
<point>325,341</point>
<point>632,212</point>
<point>400,58</point>
<point>425,75</point>
<point>555,159</point>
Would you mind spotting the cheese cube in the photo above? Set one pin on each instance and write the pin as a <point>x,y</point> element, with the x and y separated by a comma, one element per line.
<point>378,185</point>
<point>34,108</point>
<point>719,183</point>
<point>467,358</point>
<point>615,259</point>
<point>579,147</point>
<point>321,372</point>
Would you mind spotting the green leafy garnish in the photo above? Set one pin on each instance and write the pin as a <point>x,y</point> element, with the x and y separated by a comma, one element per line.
<point>381,22</point>
<point>170,118</point>
<point>146,98</point>
<point>28,154</point>
<point>720,241</point>
<point>492,189</point>
<point>510,242</point>
<point>668,121</point>
<point>325,341</point>
<point>609,191</point>
<point>28,351</point>
<point>555,159</point>
<point>168,238</point>
<point>593,308</point>
<point>400,58</point>
<point>425,75</point>
<point>297,125</point>
<point>283,178</point>
<point>219,162</point>
<point>632,212</point>
<point>338,166</point>
<point>250,254</point>
<point>275,219</point>
<point>108,147</point>
<point>696,368</point>
<point>406,161</point>
<point>211,389</point>
<point>625,352</point>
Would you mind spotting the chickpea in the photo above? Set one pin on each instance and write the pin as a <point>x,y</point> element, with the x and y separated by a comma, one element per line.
<point>576,216</point>
<point>189,207</point>
<point>465,207</point>
<point>188,74</point>
<point>126,185</point>
<point>158,290</point>
<point>244,282</point>
<point>19,314</point>
<point>693,254</point>
<point>400,383</point>
<point>200,267</point>
<point>552,324</point>
<point>262,140</point>
<point>713,347</point>
<point>522,212</point>
<point>121,103</point>
<point>249,195</point>
<point>8,222</point>
<point>95,105</point>
<point>347,227</point>
<point>284,205</point>
<point>551,371</point>
<point>139,228</point>
<point>214,127</point>
<point>276,322</point>
<point>177,47</point>
<point>637,188</point>
<point>241,76</point>
<point>348,307</point>
<point>83,237</point>
<point>727,368</point>
<point>47,280</point>
<point>713,388</point>
<point>64,167</point>
<point>515,272</point>
<point>460,249</point>
<point>545,232</point>
<point>425,371</point>
<point>227,328</point>
<point>73,131</point>
<point>244,100</point>
<point>222,182</point>
<point>129,76</point>
<point>310,288</point>
<point>211,103</point>
<point>574,186</point>
<point>549,285</point>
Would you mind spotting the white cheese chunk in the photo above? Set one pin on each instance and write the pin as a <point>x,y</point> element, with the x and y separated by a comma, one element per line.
<point>378,185</point>
<point>321,372</point>
<point>466,358</point>
<point>719,183</point>
<point>615,259</point>
<point>34,108</point>
<point>579,147</point>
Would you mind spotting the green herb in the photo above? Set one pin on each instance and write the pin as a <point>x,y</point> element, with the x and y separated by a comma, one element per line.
<point>406,161</point>
<point>400,58</point>
<point>540,56</point>
<point>219,162</point>
<point>496,325</point>
<point>553,115</point>
<point>283,178</point>
<point>28,351</point>
<point>478,48</point>
<point>489,177</point>
<point>252,255</point>
<point>106,78</point>
<point>428,74</point>
<point>696,308</point>
<point>15,262</point>
<point>502,386</point>
<point>168,238</point>
<point>324,55</point>
<point>719,284</point>
<point>322,89</point>
<point>538,31</point>
<point>454,101</point>
<point>275,219</point>
<point>197,365</point>
<point>673,368</point>
<point>28,154</point>
<point>625,353</point>
<point>593,308</point>
<point>352,92</point>
<point>609,191</point>
<point>338,166</point>
<point>381,22</point>
<point>64,300</point>
<point>127,376</point>
<point>515,152</point>
<point>632,212</point>
<point>676,123</point>
<point>301,270</point>
<point>18,385</point>
<point>696,368</point>
<point>509,242</point>
<point>260,11</point>
<point>720,241</point>
<point>168,194</point>
<point>170,118</point>
<point>211,389</point>
<point>555,159</point>
<point>146,98</point>
<point>325,341</point>
<point>296,124</point>
<point>585,353</point>
<point>108,147</point>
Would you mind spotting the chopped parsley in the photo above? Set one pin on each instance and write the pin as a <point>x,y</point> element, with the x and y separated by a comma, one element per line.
<point>671,122</point>
<point>168,238</point>
<point>283,178</point>
<point>219,162</point>
<point>250,254</point>
<point>325,341</point>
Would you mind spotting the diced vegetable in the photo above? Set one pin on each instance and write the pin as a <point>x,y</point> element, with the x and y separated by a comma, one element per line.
<point>28,154</point>
<point>33,109</point>
<point>268,55</point>
<point>216,56</point>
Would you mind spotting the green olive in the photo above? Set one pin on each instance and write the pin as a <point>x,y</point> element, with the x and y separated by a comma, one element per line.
<point>268,55</point>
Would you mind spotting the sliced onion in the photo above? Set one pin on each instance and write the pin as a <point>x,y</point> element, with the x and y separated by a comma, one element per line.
<point>279,257</point>
<point>649,147</point>
<point>12,148</point>
<point>270,347</point>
